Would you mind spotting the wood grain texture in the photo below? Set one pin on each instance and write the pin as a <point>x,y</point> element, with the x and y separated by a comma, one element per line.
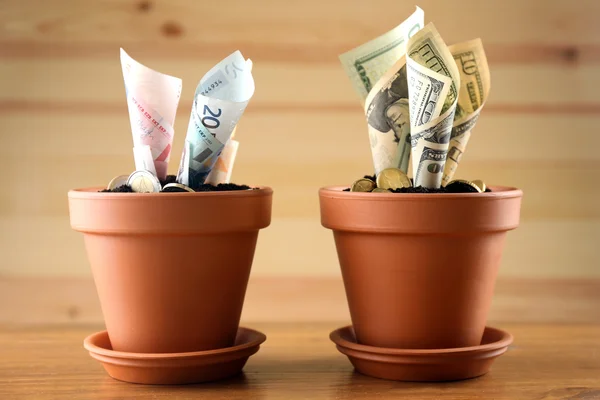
<point>65,125</point>
<point>73,301</point>
<point>546,362</point>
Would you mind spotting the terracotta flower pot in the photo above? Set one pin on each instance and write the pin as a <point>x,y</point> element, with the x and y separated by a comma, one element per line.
<point>171,269</point>
<point>419,269</point>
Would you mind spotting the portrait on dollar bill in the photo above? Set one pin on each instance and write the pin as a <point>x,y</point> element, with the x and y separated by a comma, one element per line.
<point>389,108</point>
<point>389,111</point>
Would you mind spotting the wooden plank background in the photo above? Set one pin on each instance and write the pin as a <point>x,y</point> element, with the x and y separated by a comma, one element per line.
<point>65,123</point>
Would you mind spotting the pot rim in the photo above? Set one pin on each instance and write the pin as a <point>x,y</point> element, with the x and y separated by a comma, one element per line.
<point>92,193</point>
<point>89,344</point>
<point>498,192</point>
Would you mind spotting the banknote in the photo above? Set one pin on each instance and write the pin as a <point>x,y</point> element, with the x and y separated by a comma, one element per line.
<point>367,63</point>
<point>433,82</point>
<point>152,100</point>
<point>388,120</point>
<point>474,89</point>
<point>219,101</point>
<point>221,172</point>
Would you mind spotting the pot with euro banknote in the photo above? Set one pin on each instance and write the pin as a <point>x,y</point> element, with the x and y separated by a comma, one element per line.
<point>171,255</point>
<point>419,256</point>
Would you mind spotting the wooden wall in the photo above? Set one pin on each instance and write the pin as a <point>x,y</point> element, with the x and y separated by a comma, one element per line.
<point>65,124</point>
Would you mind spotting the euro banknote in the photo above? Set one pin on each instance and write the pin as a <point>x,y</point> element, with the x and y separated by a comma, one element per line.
<point>152,100</point>
<point>219,102</point>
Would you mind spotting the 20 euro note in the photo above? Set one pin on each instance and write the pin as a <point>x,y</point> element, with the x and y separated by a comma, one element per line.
<point>219,102</point>
<point>152,100</point>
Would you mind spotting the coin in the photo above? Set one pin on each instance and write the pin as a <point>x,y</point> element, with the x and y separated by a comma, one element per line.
<point>363,185</point>
<point>462,186</point>
<point>480,184</point>
<point>393,178</point>
<point>177,187</point>
<point>117,181</point>
<point>380,190</point>
<point>143,182</point>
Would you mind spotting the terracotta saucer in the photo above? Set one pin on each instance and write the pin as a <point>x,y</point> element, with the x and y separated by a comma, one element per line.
<point>423,365</point>
<point>174,368</point>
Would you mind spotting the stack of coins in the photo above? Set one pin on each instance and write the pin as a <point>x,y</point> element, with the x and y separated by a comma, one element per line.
<point>390,178</point>
<point>142,181</point>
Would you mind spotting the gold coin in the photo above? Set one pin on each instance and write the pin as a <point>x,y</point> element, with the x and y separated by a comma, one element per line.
<point>393,178</point>
<point>480,184</point>
<point>464,182</point>
<point>380,190</point>
<point>143,182</point>
<point>363,185</point>
<point>177,187</point>
<point>117,181</point>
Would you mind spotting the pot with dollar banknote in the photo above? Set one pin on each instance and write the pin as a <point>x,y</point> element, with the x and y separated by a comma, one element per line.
<point>419,269</point>
<point>171,270</point>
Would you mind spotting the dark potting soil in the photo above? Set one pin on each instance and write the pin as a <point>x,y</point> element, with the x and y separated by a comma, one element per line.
<point>221,187</point>
<point>205,187</point>
<point>167,180</point>
<point>456,187</point>
<point>371,177</point>
<point>120,189</point>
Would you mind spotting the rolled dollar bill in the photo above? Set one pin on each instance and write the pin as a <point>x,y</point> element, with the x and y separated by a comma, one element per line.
<point>152,100</point>
<point>433,82</point>
<point>367,63</point>
<point>220,100</point>
<point>377,70</point>
<point>388,120</point>
<point>474,90</point>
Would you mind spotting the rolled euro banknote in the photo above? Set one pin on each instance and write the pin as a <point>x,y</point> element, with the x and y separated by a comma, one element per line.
<point>152,100</point>
<point>221,172</point>
<point>220,100</point>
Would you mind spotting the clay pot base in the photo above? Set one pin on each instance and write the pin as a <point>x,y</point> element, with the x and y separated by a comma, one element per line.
<point>174,368</point>
<point>423,365</point>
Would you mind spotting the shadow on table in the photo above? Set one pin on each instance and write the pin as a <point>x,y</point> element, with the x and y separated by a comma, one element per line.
<point>334,377</point>
<point>239,386</point>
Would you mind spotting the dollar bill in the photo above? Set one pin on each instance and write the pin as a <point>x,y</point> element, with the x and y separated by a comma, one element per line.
<point>433,82</point>
<point>219,101</point>
<point>152,100</point>
<point>366,64</point>
<point>388,120</point>
<point>474,90</point>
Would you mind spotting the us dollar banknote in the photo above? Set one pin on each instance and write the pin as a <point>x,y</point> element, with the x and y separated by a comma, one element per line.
<point>388,120</point>
<point>219,101</point>
<point>474,90</point>
<point>367,63</point>
<point>433,82</point>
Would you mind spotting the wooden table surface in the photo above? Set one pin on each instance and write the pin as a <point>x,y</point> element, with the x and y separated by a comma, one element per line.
<point>546,361</point>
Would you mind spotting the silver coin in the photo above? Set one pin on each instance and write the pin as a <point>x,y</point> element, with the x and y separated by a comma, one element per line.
<point>117,181</point>
<point>144,182</point>
<point>177,187</point>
